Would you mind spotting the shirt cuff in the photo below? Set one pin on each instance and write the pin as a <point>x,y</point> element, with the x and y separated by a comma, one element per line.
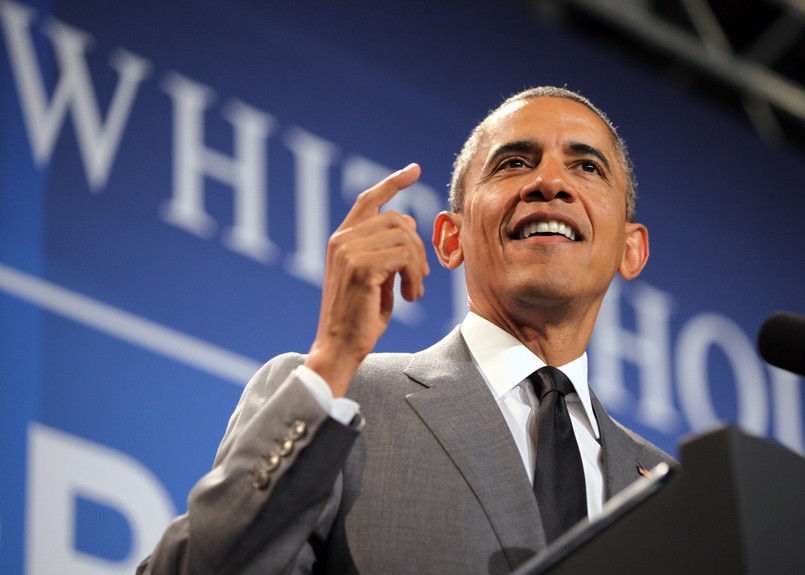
<point>342,409</point>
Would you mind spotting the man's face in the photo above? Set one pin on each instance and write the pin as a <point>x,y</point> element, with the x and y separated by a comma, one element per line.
<point>544,217</point>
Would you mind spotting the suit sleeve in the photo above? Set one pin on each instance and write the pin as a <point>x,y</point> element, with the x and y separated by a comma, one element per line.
<point>273,491</point>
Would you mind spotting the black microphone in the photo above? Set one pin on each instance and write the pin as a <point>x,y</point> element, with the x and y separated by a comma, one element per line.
<point>781,341</point>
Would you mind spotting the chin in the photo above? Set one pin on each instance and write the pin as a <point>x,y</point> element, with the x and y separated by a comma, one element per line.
<point>542,292</point>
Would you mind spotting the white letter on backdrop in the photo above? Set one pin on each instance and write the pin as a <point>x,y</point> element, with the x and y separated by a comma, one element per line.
<point>62,467</point>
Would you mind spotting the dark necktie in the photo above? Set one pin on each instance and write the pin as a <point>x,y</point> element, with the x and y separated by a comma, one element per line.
<point>558,476</point>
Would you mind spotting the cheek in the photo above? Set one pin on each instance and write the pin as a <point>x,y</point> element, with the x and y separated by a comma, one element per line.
<point>494,197</point>
<point>609,230</point>
<point>481,220</point>
<point>608,208</point>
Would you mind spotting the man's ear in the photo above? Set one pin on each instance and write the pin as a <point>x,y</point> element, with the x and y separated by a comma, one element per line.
<point>446,239</point>
<point>635,255</point>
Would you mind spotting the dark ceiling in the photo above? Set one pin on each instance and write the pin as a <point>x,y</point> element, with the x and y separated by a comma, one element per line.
<point>747,55</point>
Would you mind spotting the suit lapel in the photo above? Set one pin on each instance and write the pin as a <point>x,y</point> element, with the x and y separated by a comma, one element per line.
<point>458,408</point>
<point>620,456</point>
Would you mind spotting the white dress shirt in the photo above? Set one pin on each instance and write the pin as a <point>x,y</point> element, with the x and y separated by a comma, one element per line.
<point>342,409</point>
<point>505,365</point>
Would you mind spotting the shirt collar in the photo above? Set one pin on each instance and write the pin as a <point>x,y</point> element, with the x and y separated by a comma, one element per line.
<point>505,362</point>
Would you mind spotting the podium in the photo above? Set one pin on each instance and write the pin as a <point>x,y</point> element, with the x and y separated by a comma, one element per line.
<point>735,506</point>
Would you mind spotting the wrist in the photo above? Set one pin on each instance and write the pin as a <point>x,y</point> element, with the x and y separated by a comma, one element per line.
<point>335,367</point>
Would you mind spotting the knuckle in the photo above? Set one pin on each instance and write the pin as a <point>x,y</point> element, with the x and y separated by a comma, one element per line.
<point>365,196</point>
<point>394,219</point>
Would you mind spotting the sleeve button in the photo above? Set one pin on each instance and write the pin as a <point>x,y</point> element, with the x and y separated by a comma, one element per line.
<point>272,461</point>
<point>262,478</point>
<point>286,447</point>
<point>298,429</point>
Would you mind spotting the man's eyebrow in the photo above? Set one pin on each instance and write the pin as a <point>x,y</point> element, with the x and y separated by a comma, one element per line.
<point>588,150</point>
<point>518,147</point>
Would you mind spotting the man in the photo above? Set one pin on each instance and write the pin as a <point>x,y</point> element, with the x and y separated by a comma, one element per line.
<point>345,461</point>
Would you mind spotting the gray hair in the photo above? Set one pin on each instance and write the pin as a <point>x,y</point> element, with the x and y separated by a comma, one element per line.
<point>470,148</point>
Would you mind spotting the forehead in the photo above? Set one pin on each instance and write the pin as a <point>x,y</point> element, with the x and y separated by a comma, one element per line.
<point>547,120</point>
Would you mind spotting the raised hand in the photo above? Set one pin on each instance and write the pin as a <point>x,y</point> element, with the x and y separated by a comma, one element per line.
<point>364,255</point>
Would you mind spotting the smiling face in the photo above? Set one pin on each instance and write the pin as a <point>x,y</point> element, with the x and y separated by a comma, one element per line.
<point>543,224</point>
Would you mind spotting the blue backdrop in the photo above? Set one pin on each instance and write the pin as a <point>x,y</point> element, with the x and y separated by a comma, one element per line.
<point>169,174</point>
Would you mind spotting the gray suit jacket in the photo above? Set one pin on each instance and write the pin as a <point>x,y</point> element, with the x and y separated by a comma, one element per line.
<point>430,482</point>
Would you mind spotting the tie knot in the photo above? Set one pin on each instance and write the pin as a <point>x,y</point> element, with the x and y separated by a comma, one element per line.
<point>548,379</point>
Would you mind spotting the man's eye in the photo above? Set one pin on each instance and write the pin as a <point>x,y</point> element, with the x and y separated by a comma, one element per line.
<point>590,167</point>
<point>512,163</point>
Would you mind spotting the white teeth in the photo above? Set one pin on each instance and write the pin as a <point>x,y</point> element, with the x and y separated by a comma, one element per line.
<point>551,226</point>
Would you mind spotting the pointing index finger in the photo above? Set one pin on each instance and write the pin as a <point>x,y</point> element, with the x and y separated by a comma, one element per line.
<point>369,202</point>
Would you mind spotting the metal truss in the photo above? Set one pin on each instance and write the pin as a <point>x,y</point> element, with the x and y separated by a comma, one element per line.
<point>751,51</point>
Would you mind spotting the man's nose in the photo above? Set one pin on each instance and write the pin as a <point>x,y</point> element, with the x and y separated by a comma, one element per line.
<point>549,182</point>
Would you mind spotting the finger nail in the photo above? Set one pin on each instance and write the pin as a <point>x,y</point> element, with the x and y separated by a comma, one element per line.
<point>407,168</point>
